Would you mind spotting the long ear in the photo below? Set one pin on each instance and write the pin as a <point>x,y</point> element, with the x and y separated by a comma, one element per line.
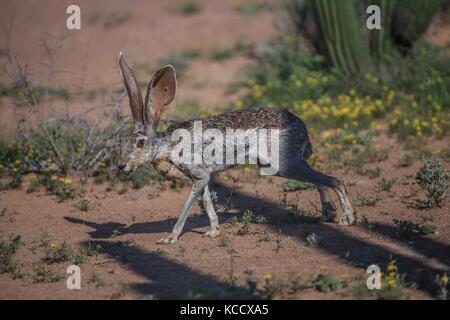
<point>134,92</point>
<point>160,92</point>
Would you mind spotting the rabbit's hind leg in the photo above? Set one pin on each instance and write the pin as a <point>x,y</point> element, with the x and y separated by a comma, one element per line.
<point>298,169</point>
<point>328,208</point>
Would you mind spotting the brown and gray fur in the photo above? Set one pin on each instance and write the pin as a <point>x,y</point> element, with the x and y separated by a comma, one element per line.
<point>147,146</point>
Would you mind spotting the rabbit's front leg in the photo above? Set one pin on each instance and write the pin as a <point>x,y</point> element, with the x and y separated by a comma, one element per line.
<point>197,189</point>
<point>208,207</point>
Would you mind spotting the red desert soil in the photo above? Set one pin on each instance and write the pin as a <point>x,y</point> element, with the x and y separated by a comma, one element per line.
<point>127,226</point>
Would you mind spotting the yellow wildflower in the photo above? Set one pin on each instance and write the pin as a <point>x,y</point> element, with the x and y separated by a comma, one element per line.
<point>444,279</point>
<point>268,277</point>
<point>392,267</point>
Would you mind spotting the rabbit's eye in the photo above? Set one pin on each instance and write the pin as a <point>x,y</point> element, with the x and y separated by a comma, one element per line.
<point>140,143</point>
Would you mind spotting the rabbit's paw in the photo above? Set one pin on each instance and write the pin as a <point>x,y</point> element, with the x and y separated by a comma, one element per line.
<point>347,220</point>
<point>212,233</point>
<point>171,239</point>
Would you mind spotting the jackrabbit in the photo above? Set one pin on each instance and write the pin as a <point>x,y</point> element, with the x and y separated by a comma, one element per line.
<point>146,146</point>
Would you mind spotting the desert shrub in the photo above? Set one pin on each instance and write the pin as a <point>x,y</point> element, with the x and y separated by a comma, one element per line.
<point>385,184</point>
<point>83,205</point>
<point>96,280</point>
<point>7,250</point>
<point>434,180</point>
<point>42,274</point>
<point>272,286</point>
<point>58,253</point>
<point>326,283</point>
<point>246,221</point>
<point>406,229</point>
<point>366,201</point>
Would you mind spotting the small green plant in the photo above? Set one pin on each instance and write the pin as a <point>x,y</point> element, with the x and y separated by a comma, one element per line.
<point>7,250</point>
<point>372,173</point>
<point>43,274</point>
<point>83,253</point>
<point>79,258</point>
<point>297,284</point>
<point>360,291</point>
<point>16,181</point>
<point>313,240</point>
<point>229,202</point>
<point>260,219</point>
<point>93,249</point>
<point>83,205</point>
<point>115,233</point>
<point>385,184</point>
<point>96,280</point>
<point>405,161</point>
<point>58,253</point>
<point>272,286</point>
<point>185,7</point>
<point>326,283</point>
<point>442,284</point>
<point>44,240</point>
<point>61,187</point>
<point>220,55</point>
<point>292,185</point>
<point>434,180</point>
<point>406,229</point>
<point>365,201</point>
<point>34,184</point>
<point>246,220</point>
<point>127,243</point>
<point>369,224</point>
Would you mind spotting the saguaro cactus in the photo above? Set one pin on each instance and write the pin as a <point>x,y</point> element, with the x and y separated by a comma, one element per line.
<point>341,36</point>
<point>344,43</point>
<point>380,39</point>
